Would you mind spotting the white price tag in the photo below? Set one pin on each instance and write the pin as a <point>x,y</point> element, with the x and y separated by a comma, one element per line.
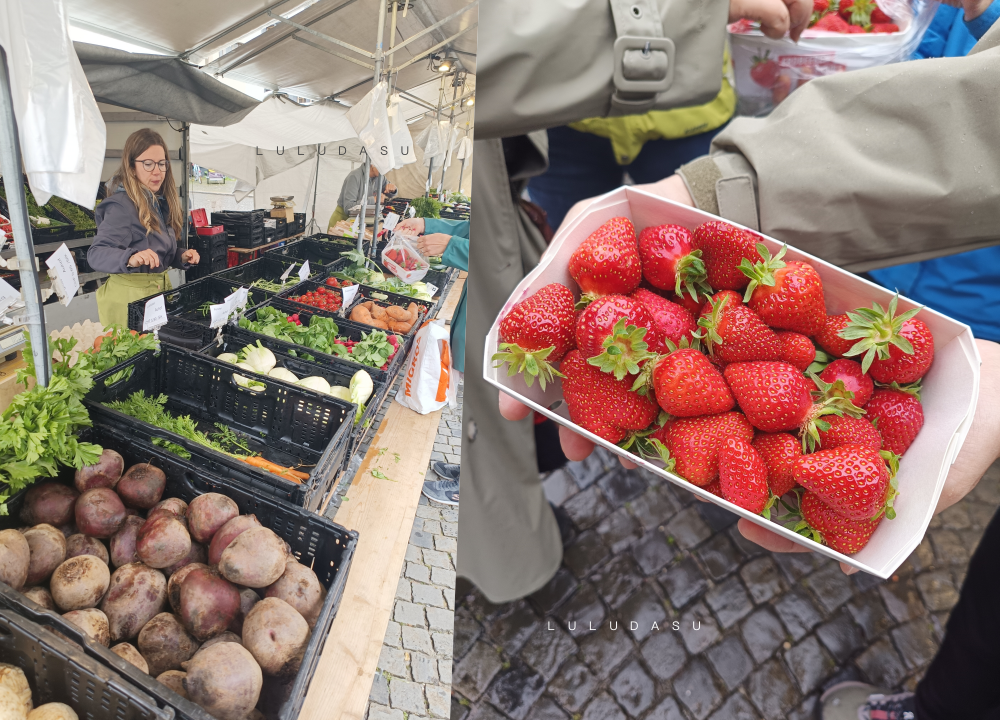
<point>432,289</point>
<point>288,271</point>
<point>220,314</point>
<point>304,271</point>
<point>355,225</point>
<point>8,295</point>
<point>155,315</point>
<point>390,221</point>
<point>349,293</point>
<point>67,280</point>
<point>413,211</point>
<point>238,300</point>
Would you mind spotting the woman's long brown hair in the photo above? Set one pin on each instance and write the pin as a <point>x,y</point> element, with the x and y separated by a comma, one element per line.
<point>136,144</point>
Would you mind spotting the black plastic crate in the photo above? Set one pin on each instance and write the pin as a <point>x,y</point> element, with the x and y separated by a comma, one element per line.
<point>77,232</point>
<point>207,268</point>
<point>284,423</point>
<point>186,301</point>
<point>238,217</point>
<point>12,278</point>
<point>269,269</point>
<point>279,225</point>
<point>246,239</point>
<point>58,671</point>
<point>319,253</point>
<point>317,542</point>
<point>42,234</point>
<point>440,280</point>
<point>385,299</point>
<point>306,286</point>
<point>335,372</point>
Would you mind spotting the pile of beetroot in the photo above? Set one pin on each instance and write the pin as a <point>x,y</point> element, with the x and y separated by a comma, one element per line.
<point>205,600</point>
<point>700,348</point>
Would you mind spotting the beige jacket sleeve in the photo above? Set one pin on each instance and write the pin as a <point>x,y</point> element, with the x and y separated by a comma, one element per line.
<point>543,63</point>
<point>871,168</point>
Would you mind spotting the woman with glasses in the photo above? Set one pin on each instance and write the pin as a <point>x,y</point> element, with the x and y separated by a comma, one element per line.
<point>137,229</point>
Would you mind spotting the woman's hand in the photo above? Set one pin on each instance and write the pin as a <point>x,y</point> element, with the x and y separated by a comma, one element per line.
<point>433,245</point>
<point>410,226</point>
<point>191,257</point>
<point>776,17</point>
<point>144,257</point>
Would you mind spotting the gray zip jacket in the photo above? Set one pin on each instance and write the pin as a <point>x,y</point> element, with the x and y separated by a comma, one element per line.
<point>120,235</point>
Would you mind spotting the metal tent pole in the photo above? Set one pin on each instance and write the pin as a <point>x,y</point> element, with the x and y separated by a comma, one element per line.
<point>185,150</point>
<point>437,121</point>
<point>10,167</point>
<point>379,64</point>
<point>312,220</point>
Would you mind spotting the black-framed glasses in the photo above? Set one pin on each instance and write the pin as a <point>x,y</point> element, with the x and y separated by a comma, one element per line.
<point>148,165</point>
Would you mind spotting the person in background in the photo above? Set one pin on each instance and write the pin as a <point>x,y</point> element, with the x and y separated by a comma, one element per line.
<point>448,239</point>
<point>138,224</point>
<point>354,187</point>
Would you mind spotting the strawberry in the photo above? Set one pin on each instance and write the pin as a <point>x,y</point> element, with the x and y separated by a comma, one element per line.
<point>832,23</point>
<point>723,247</point>
<point>670,321</point>
<point>779,452</point>
<point>884,27</point>
<point>615,333</point>
<point>692,306</point>
<point>825,525</point>
<point>879,16</point>
<point>821,6</point>
<point>852,479</point>
<point>743,476</point>
<point>788,295</point>
<point>607,262</point>
<point>764,71</point>
<point>601,404</point>
<point>735,333</point>
<point>856,29</point>
<point>854,380</point>
<point>715,488</point>
<point>796,349</point>
<point>775,397</point>
<point>687,385</point>
<point>538,331</point>
<point>694,443</point>
<point>670,262</point>
<point>829,335</point>
<point>896,348</point>
<point>847,430</point>
<point>898,415</point>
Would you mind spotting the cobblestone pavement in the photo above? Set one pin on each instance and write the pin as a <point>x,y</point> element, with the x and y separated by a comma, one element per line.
<point>414,670</point>
<point>775,629</point>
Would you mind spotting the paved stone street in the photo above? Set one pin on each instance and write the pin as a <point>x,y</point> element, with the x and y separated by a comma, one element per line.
<point>414,673</point>
<point>774,630</point>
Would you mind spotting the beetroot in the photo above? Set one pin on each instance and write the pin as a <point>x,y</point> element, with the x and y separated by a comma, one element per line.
<point>209,603</point>
<point>174,505</point>
<point>209,512</point>
<point>99,512</point>
<point>248,598</point>
<point>123,542</point>
<point>162,542</point>
<point>80,544</point>
<point>105,473</point>
<point>136,594</point>
<point>50,503</point>
<point>300,588</point>
<point>197,554</point>
<point>165,643</point>
<point>175,582</point>
<point>142,486</point>
<point>227,533</point>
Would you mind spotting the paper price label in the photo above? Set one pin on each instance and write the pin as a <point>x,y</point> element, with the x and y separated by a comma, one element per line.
<point>413,211</point>
<point>8,295</point>
<point>288,271</point>
<point>304,271</point>
<point>432,289</point>
<point>349,293</point>
<point>238,300</point>
<point>390,221</point>
<point>355,225</point>
<point>155,315</point>
<point>220,314</point>
<point>61,263</point>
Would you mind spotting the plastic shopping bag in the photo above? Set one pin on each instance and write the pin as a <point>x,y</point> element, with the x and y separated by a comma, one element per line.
<point>429,381</point>
<point>404,260</point>
<point>767,71</point>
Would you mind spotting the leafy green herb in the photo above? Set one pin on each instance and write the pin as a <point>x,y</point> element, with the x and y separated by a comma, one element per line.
<point>374,349</point>
<point>426,207</point>
<point>80,219</point>
<point>381,475</point>
<point>365,272</point>
<point>153,410</point>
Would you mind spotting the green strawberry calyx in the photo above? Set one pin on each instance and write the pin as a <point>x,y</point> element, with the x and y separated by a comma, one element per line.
<point>831,399</point>
<point>530,363</point>
<point>891,462</point>
<point>819,364</point>
<point>762,272</point>
<point>643,384</point>
<point>875,329</point>
<point>585,300</point>
<point>624,349</point>
<point>910,389</point>
<point>647,448</point>
<point>692,276</point>
<point>710,324</point>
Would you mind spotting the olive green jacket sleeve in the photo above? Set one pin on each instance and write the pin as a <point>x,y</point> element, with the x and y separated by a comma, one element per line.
<point>870,168</point>
<point>546,63</point>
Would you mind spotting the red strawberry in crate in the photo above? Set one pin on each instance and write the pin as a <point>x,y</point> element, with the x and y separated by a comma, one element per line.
<point>735,333</point>
<point>879,16</point>
<point>829,337</point>
<point>723,247</point>
<point>832,23</point>
<point>779,451</point>
<point>854,380</point>
<point>686,384</point>
<point>743,476</point>
<point>898,415</point>
<point>852,479</point>
<point>895,348</point>
<point>601,404</point>
<point>776,397</point>
<point>847,430</point>
<point>607,262</point>
<point>884,28</point>
<point>764,70</point>
<point>670,262</point>
<point>670,321</point>
<point>824,525</point>
<point>616,333</point>
<point>694,443</point>
<point>537,332</point>
<point>796,349</point>
<point>788,295</point>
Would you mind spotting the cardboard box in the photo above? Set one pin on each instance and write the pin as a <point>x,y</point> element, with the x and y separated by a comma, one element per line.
<point>949,395</point>
<point>288,213</point>
<point>9,387</point>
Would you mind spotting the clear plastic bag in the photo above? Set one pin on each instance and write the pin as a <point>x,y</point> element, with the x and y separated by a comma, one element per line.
<point>403,259</point>
<point>767,71</point>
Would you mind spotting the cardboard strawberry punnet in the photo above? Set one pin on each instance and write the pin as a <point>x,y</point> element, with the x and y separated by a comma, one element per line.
<point>826,420</point>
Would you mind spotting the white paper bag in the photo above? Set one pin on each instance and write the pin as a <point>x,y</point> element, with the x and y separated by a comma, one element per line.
<point>371,121</point>
<point>429,380</point>
<point>402,141</point>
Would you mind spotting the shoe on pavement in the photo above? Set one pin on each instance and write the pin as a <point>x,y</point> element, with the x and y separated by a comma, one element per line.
<point>442,491</point>
<point>860,701</point>
<point>446,471</point>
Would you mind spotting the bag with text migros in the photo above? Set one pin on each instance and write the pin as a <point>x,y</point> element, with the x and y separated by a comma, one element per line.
<point>429,381</point>
<point>403,259</point>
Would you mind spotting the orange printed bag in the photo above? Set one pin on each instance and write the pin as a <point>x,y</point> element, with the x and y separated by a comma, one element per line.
<point>429,380</point>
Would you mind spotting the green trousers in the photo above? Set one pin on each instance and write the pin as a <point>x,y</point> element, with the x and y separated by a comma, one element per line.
<point>118,291</point>
<point>338,215</point>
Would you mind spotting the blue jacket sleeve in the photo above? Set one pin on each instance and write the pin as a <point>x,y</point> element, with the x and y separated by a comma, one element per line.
<point>110,251</point>
<point>980,26</point>
<point>456,255</point>
<point>936,37</point>
<point>448,227</point>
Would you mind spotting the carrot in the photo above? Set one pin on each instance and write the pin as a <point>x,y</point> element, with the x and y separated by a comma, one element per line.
<point>293,475</point>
